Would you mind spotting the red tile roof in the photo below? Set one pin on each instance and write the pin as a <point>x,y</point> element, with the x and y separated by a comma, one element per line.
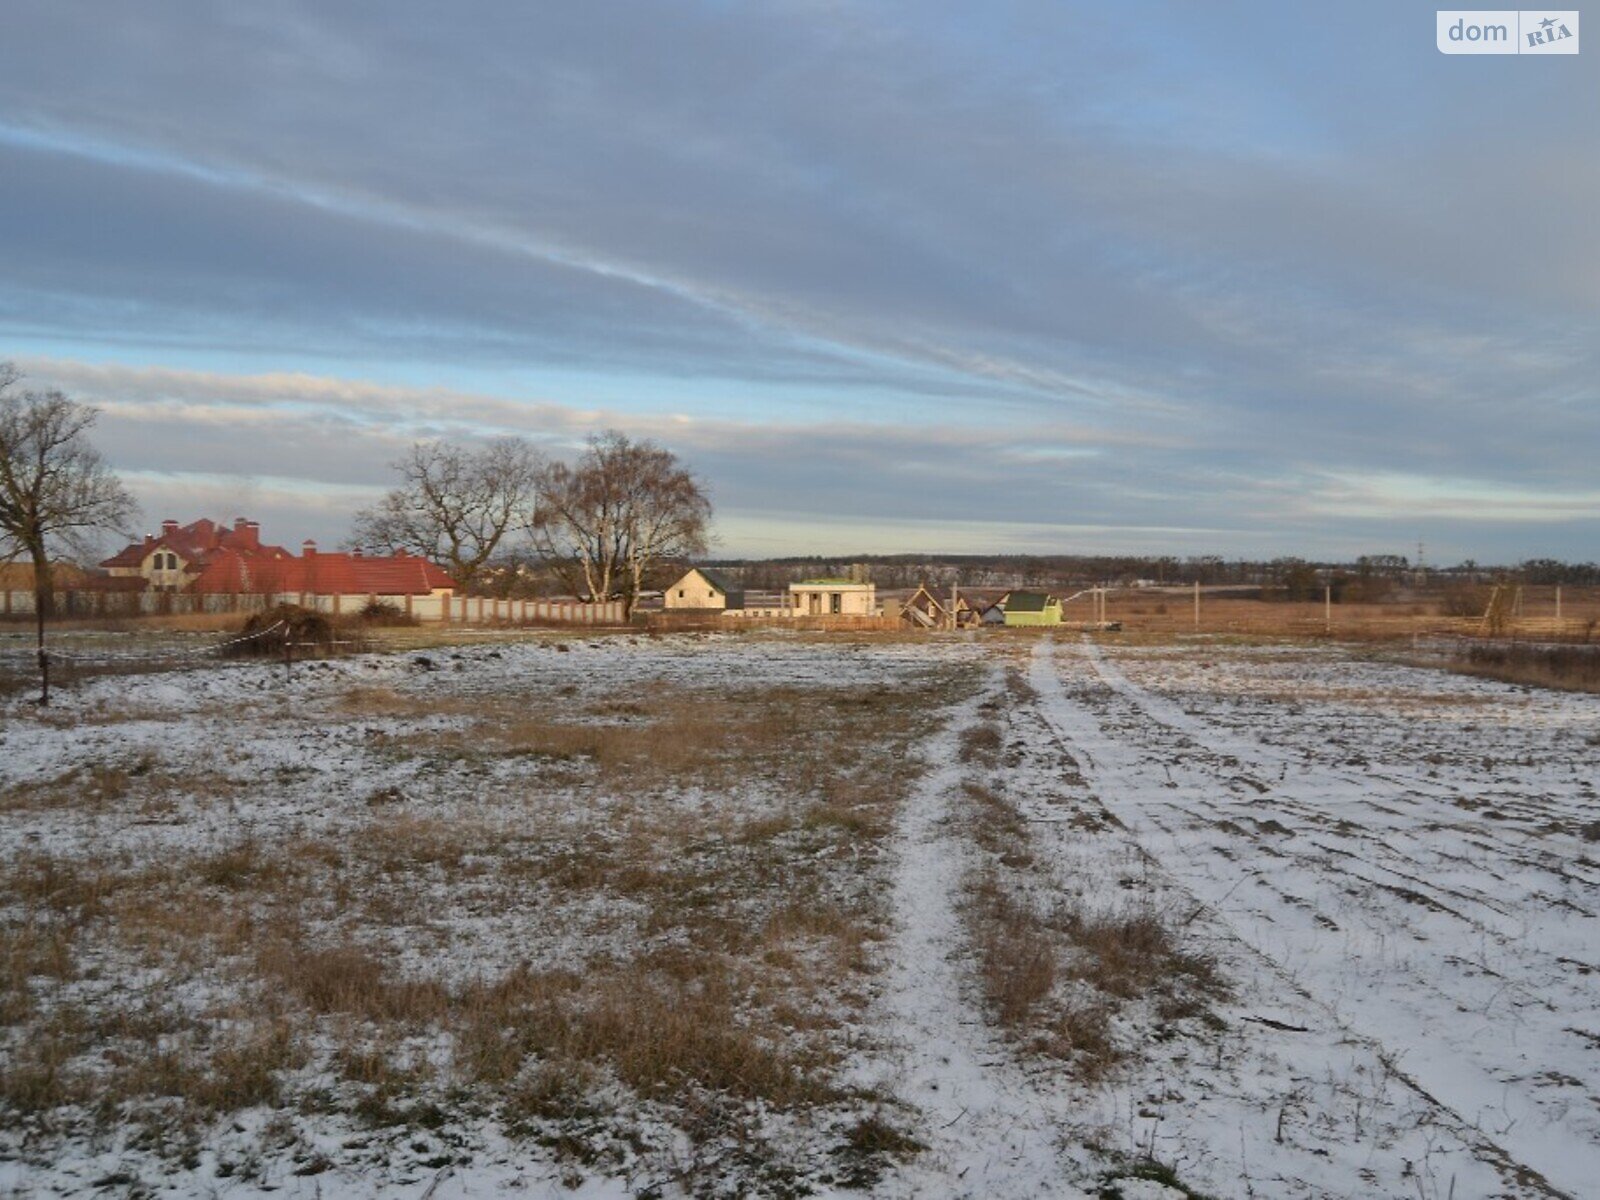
<point>195,542</point>
<point>233,560</point>
<point>325,574</point>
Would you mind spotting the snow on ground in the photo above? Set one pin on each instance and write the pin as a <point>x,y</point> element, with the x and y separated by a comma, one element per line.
<point>1394,869</point>
<point>1404,852</point>
<point>990,1131</point>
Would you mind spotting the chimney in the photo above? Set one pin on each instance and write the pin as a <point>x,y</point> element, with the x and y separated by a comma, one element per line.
<point>356,553</point>
<point>169,528</point>
<point>246,534</point>
<point>308,549</point>
<point>149,540</point>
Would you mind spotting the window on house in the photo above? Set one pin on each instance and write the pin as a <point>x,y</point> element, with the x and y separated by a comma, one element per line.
<point>680,593</point>
<point>836,602</point>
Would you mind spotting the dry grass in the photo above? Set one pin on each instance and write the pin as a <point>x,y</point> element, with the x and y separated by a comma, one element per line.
<point>1022,965</point>
<point>981,744</point>
<point>1566,668</point>
<point>1434,614</point>
<point>658,1034</point>
<point>141,783</point>
<point>719,859</point>
<point>1057,972</point>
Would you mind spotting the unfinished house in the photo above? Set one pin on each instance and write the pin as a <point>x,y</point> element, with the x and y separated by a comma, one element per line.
<point>923,609</point>
<point>833,598</point>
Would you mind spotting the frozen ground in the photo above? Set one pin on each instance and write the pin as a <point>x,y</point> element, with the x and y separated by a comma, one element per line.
<point>1406,862</point>
<point>1393,872</point>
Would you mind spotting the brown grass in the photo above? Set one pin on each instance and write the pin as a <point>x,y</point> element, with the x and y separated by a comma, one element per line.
<point>731,973</point>
<point>348,979</point>
<point>659,1035</point>
<point>1055,971</point>
<point>981,744</point>
<point>1565,668</point>
<point>1432,614</point>
<point>1020,962</point>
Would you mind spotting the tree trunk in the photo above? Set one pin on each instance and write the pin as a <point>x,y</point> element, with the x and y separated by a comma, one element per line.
<point>44,605</point>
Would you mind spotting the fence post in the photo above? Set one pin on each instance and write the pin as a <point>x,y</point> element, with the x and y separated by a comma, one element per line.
<point>1197,605</point>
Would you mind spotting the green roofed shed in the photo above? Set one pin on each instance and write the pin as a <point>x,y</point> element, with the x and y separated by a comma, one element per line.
<point>1032,608</point>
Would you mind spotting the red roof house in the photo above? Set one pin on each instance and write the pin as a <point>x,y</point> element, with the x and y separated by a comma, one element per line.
<point>172,559</point>
<point>208,557</point>
<point>324,574</point>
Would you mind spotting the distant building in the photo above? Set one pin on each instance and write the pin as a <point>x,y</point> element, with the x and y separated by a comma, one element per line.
<point>701,589</point>
<point>173,559</point>
<point>210,558</point>
<point>924,610</point>
<point>833,598</point>
<point>316,572</point>
<point>1031,608</point>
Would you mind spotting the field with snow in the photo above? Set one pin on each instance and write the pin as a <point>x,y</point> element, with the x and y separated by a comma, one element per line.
<point>781,915</point>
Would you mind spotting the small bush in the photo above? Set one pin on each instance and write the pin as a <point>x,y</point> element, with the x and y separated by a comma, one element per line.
<point>381,614</point>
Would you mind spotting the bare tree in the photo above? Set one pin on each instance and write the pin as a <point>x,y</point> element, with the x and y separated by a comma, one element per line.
<point>624,507</point>
<point>56,492</point>
<point>454,505</point>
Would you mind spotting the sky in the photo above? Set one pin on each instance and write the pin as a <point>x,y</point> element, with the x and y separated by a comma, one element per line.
<point>1246,279</point>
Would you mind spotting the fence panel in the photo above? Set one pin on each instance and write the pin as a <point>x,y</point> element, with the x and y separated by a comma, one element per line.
<point>93,603</point>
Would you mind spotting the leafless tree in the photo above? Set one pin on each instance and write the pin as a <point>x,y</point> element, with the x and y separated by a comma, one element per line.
<point>455,504</point>
<point>621,509</point>
<point>56,492</point>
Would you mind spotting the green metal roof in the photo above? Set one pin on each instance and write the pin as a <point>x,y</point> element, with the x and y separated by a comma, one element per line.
<point>1027,602</point>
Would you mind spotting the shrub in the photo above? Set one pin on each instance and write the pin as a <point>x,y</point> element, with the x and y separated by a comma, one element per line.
<point>380,613</point>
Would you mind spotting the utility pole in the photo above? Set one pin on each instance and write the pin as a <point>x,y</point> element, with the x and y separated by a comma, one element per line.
<point>1197,604</point>
<point>1558,604</point>
<point>1327,608</point>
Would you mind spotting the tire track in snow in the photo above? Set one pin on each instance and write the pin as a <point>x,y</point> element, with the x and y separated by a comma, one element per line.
<point>1472,1089</point>
<point>991,1134</point>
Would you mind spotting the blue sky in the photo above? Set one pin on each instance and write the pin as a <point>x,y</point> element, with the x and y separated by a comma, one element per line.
<point>1229,278</point>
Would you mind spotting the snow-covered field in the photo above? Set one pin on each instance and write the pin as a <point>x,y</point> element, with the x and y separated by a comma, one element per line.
<point>777,915</point>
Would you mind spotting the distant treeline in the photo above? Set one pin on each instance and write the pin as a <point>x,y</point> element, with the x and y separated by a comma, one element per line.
<point>1376,573</point>
<point>1370,577</point>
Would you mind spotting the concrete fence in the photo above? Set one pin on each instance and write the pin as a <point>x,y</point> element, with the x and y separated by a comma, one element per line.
<point>465,610</point>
